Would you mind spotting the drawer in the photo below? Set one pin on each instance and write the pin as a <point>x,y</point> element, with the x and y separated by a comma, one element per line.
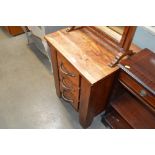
<point>67,71</point>
<point>68,83</point>
<point>137,88</point>
<point>70,95</point>
<point>69,80</point>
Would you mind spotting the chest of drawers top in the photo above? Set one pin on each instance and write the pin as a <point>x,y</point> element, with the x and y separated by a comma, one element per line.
<point>141,67</point>
<point>85,52</point>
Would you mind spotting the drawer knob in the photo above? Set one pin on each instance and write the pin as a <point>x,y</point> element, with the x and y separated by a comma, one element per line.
<point>143,93</point>
<point>65,98</point>
<point>64,72</point>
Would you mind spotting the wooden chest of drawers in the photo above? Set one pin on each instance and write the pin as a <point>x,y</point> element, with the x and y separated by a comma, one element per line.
<point>135,107</point>
<point>81,71</point>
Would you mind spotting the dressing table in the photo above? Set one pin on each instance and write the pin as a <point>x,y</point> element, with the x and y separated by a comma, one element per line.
<point>84,63</point>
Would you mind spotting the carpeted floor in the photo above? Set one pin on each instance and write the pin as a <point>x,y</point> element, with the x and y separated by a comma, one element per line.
<point>27,92</point>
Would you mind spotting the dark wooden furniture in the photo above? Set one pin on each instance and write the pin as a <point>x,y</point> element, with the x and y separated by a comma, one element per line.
<point>82,74</point>
<point>135,107</point>
<point>14,30</point>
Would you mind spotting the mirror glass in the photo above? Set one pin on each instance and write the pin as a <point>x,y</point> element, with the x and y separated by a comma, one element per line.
<point>114,32</point>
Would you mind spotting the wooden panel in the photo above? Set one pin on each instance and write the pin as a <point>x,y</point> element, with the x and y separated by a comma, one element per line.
<point>137,88</point>
<point>101,92</point>
<point>115,121</point>
<point>94,98</point>
<point>55,69</point>
<point>86,110</point>
<point>85,52</point>
<point>135,113</point>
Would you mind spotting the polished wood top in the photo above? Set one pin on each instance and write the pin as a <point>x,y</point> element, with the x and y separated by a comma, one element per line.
<point>141,67</point>
<point>84,52</point>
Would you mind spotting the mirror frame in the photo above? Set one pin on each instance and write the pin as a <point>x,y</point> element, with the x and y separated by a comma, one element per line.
<point>125,41</point>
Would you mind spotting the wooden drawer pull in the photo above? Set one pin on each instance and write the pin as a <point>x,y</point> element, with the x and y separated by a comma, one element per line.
<point>143,93</point>
<point>64,72</point>
<point>66,99</point>
<point>64,86</point>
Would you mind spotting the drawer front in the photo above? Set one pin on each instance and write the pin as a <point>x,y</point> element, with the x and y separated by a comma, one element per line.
<point>69,81</point>
<point>71,96</point>
<point>67,70</point>
<point>137,88</point>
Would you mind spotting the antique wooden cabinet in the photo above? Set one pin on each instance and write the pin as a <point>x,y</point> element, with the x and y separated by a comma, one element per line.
<point>135,106</point>
<point>83,73</point>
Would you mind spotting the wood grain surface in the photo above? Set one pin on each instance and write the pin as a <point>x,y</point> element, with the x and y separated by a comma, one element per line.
<point>84,52</point>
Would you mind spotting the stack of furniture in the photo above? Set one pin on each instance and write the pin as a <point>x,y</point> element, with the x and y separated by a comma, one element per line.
<point>135,106</point>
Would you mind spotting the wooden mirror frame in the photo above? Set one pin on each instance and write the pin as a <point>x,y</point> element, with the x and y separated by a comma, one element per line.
<point>122,46</point>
